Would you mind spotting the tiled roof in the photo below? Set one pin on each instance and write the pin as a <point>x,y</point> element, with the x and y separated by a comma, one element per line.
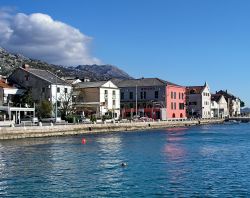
<point>90,84</point>
<point>216,97</point>
<point>226,94</point>
<point>195,89</point>
<point>47,75</point>
<point>3,84</point>
<point>142,82</point>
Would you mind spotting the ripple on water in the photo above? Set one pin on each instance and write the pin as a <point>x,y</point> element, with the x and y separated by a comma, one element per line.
<point>203,161</point>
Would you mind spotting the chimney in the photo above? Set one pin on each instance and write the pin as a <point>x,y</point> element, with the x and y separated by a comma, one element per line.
<point>25,66</point>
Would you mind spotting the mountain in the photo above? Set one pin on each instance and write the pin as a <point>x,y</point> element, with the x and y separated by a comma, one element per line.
<point>245,110</point>
<point>10,61</point>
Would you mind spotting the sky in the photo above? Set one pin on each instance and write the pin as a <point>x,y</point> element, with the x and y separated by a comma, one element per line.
<point>187,42</point>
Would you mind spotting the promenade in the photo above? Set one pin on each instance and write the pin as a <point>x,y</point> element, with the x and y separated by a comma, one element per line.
<point>7,133</point>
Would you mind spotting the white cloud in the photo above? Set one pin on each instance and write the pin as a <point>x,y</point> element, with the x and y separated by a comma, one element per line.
<point>39,36</point>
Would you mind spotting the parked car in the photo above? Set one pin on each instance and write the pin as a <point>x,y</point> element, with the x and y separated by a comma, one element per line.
<point>29,118</point>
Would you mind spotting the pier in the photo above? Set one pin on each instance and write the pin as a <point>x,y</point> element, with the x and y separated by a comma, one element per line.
<point>239,119</point>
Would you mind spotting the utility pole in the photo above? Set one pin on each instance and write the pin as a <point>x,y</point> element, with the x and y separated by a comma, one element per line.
<point>56,97</point>
<point>136,100</point>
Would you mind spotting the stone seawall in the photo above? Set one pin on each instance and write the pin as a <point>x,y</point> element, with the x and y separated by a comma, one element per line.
<point>7,133</point>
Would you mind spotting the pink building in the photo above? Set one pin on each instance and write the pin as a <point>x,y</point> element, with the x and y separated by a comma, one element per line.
<point>176,101</point>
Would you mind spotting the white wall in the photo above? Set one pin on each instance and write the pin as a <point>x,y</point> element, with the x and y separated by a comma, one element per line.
<point>110,87</point>
<point>61,96</point>
<point>206,103</point>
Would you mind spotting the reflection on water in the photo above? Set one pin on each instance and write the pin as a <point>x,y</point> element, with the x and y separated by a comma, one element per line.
<point>211,161</point>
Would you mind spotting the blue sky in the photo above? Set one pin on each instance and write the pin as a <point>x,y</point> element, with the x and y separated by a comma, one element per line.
<point>187,42</point>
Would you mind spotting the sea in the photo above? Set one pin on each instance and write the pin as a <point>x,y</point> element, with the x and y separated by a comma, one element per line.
<point>198,161</point>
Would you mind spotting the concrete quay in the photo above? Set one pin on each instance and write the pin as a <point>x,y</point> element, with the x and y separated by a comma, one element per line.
<point>7,133</point>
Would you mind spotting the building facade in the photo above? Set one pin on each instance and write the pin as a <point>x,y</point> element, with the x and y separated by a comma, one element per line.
<point>198,101</point>
<point>219,106</point>
<point>98,98</point>
<point>233,103</point>
<point>176,101</point>
<point>151,97</point>
<point>43,85</point>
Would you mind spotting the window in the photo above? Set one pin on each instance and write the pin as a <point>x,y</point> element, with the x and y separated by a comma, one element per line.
<point>27,77</point>
<point>113,93</point>
<point>172,95</point>
<point>105,92</point>
<point>106,102</point>
<point>179,95</point>
<point>58,103</point>
<point>122,95</point>
<point>58,89</point>
<point>156,94</point>
<point>182,96</point>
<point>113,102</point>
<point>43,90</point>
<point>131,105</point>
<point>181,106</point>
<point>65,90</point>
<point>145,94</point>
<point>174,105</point>
<point>141,95</point>
<point>131,95</point>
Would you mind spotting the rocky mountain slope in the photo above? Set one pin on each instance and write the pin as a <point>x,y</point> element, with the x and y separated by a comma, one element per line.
<point>9,61</point>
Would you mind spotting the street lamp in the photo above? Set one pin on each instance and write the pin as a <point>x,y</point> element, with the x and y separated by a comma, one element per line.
<point>56,96</point>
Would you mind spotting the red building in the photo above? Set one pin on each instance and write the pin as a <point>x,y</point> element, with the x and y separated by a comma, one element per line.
<point>152,98</point>
<point>176,101</point>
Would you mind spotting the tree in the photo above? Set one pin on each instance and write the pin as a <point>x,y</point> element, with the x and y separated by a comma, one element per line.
<point>66,104</point>
<point>242,104</point>
<point>24,100</point>
<point>44,109</point>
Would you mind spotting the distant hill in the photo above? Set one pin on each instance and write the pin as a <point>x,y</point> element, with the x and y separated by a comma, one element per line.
<point>245,110</point>
<point>10,61</point>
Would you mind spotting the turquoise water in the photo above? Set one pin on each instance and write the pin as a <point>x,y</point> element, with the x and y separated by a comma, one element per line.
<point>205,161</point>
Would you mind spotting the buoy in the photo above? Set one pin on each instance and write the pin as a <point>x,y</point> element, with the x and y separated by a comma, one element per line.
<point>123,164</point>
<point>83,141</point>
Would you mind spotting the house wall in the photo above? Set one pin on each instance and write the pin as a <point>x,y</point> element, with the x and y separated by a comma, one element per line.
<point>110,100</point>
<point>88,95</point>
<point>35,84</point>
<point>62,95</point>
<point>206,103</point>
<point>40,89</point>
<point>148,104</point>
<point>194,105</point>
<point>176,101</point>
<point>150,95</point>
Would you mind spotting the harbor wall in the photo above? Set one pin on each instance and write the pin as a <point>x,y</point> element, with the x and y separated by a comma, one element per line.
<point>7,133</point>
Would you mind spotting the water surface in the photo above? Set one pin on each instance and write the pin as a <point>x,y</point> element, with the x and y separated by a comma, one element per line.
<point>205,161</point>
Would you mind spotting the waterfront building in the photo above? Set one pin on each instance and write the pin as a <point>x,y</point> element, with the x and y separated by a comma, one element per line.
<point>151,97</point>
<point>8,92</point>
<point>100,98</point>
<point>43,85</point>
<point>219,107</point>
<point>199,101</point>
<point>232,101</point>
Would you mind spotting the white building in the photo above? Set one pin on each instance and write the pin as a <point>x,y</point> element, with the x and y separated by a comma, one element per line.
<point>7,92</point>
<point>99,98</point>
<point>219,107</point>
<point>199,101</point>
<point>233,103</point>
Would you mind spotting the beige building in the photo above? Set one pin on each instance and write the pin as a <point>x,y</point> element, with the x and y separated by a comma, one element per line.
<point>98,98</point>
